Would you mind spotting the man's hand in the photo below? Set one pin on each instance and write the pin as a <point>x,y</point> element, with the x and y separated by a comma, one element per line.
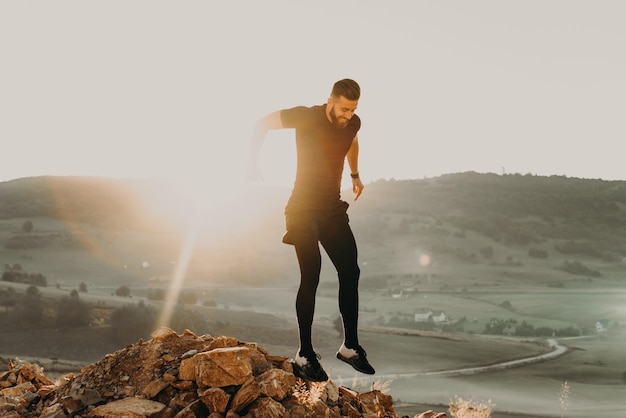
<point>357,188</point>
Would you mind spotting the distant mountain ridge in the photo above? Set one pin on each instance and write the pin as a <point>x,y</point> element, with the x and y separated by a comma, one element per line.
<point>515,208</point>
<point>115,203</point>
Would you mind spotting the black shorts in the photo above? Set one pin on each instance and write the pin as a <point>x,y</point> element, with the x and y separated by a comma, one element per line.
<point>308,222</point>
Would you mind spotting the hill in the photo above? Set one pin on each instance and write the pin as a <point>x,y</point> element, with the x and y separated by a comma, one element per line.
<point>575,226</point>
<point>112,203</point>
<point>513,209</point>
<point>518,258</point>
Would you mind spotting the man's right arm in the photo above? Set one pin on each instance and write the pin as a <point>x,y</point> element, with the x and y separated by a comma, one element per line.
<point>263,125</point>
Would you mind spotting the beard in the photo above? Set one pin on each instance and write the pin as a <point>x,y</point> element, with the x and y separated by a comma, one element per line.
<point>338,122</point>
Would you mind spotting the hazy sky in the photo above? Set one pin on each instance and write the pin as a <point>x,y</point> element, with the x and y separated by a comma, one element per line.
<point>154,88</point>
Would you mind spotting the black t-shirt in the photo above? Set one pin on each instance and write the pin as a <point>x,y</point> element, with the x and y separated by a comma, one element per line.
<point>321,149</point>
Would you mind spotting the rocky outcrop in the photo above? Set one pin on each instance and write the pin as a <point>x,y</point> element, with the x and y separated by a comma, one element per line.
<point>185,376</point>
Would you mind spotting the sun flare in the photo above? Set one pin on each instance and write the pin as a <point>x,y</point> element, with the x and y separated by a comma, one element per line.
<point>206,204</point>
<point>208,212</point>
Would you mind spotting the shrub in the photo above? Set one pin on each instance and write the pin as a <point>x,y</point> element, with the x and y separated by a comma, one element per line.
<point>506,305</point>
<point>30,311</point>
<point>123,291</point>
<point>72,312</point>
<point>27,226</point>
<point>35,279</point>
<point>544,332</point>
<point>579,247</point>
<point>568,332</point>
<point>579,269</point>
<point>525,330</point>
<point>130,323</point>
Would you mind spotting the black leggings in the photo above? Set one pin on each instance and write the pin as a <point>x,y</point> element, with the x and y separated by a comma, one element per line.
<point>335,235</point>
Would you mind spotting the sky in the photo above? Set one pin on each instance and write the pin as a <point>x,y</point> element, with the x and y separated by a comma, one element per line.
<point>145,89</point>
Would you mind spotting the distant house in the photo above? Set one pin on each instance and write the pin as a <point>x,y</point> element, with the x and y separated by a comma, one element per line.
<point>602,325</point>
<point>403,291</point>
<point>510,329</point>
<point>426,315</point>
<point>423,315</point>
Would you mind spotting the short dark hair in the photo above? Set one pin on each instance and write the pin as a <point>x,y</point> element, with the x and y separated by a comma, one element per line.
<point>347,88</point>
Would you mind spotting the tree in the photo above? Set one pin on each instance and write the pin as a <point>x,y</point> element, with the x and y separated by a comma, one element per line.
<point>123,291</point>
<point>507,305</point>
<point>71,312</point>
<point>31,310</point>
<point>130,323</point>
<point>525,330</point>
<point>82,287</point>
<point>32,292</point>
<point>27,226</point>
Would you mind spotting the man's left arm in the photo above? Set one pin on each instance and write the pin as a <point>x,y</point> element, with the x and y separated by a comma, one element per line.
<point>353,162</point>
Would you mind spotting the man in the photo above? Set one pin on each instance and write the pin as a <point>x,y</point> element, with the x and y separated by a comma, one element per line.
<point>326,136</point>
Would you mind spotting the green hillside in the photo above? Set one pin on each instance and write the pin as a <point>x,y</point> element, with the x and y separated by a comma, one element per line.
<point>512,209</point>
<point>510,260</point>
<point>486,226</point>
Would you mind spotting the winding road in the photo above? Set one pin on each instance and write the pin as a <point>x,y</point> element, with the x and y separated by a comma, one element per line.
<point>557,350</point>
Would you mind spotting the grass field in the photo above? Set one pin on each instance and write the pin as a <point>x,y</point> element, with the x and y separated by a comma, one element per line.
<point>260,307</point>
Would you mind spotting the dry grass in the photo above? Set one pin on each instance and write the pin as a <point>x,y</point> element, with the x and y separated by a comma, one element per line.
<point>563,396</point>
<point>461,408</point>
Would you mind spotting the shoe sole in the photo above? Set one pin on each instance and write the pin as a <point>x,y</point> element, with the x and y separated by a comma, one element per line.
<point>348,361</point>
<point>299,372</point>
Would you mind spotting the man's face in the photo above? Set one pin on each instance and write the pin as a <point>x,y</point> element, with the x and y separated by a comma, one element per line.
<point>340,110</point>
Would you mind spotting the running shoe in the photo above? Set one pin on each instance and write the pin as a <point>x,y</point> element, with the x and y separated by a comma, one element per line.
<point>355,357</point>
<point>308,367</point>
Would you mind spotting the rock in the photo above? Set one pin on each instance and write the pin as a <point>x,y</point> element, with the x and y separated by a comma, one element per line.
<point>190,353</point>
<point>18,390</point>
<point>223,367</point>
<point>193,410</point>
<point>163,333</point>
<point>128,408</point>
<point>53,411</point>
<point>154,388</point>
<point>431,414</point>
<point>185,376</point>
<point>86,396</point>
<point>375,402</point>
<point>215,399</point>
<point>247,394</point>
<point>187,370</point>
<point>276,383</point>
<point>267,408</point>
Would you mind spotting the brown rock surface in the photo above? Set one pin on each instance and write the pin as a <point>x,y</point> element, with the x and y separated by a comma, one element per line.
<point>183,376</point>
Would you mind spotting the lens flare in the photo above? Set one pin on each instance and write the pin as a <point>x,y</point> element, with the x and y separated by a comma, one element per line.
<point>424,260</point>
<point>182,264</point>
